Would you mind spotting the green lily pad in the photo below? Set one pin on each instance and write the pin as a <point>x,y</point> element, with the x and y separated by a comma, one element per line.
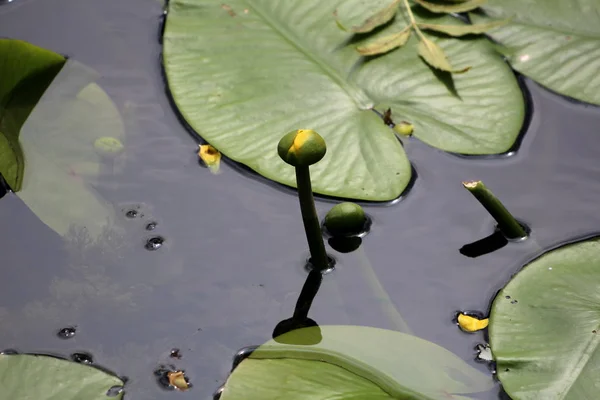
<point>545,326</point>
<point>25,376</point>
<point>353,362</point>
<point>243,73</point>
<point>26,72</point>
<point>554,42</point>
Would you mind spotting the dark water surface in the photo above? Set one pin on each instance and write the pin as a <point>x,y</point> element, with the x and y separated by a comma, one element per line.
<point>231,265</point>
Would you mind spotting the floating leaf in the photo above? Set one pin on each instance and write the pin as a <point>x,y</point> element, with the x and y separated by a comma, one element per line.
<point>26,72</point>
<point>461,30</point>
<point>210,157</point>
<point>282,71</point>
<point>554,42</point>
<point>24,376</point>
<point>377,19</point>
<point>435,56</point>
<point>353,362</point>
<point>545,326</point>
<point>386,43</point>
<point>469,323</point>
<point>455,7</point>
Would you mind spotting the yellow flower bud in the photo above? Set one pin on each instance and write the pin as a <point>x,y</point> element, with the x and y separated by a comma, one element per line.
<point>302,147</point>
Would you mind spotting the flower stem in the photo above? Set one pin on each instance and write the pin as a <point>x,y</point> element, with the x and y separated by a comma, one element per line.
<point>507,224</point>
<point>310,218</point>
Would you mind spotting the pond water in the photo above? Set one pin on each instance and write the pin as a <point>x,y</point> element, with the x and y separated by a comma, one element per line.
<point>231,264</point>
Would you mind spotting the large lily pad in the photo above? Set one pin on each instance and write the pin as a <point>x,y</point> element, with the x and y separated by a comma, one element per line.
<point>26,71</point>
<point>26,376</point>
<point>353,362</point>
<point>545,326</point>
<point>245,72</point>
<point>555,42</point>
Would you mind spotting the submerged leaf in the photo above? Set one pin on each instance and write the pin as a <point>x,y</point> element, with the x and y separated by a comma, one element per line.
<point>386,43</point>
<point>379,18</point>
<point>353,362</point>
<point>60,140</point>
<point>210,156</point>
<point>435,56</point>
<point>455,7</point>
<point>461,30</point>
<point>545,326</point>
<point>24,376</point>
<point>471,324</point>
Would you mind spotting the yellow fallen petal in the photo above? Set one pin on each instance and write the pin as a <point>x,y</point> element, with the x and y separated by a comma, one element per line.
<point>177,380</point>
<point>472,324</point>
<point>210,157</point>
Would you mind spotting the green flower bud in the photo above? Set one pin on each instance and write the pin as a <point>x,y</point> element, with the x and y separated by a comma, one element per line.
<point>345,219</point>
<point>108,146</point>
<point>302,147</point>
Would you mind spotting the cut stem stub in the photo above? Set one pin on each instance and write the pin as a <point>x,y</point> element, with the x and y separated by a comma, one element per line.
<point>507,224</point>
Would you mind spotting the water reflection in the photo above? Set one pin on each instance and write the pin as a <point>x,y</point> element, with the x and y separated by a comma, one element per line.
<point>300,318</point>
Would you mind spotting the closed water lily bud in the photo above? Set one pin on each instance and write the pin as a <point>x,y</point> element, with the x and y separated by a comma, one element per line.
<point>302,147</point>
<point>345,219</point>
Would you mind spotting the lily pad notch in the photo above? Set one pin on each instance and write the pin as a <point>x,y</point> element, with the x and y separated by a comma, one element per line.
<point>282,71</point>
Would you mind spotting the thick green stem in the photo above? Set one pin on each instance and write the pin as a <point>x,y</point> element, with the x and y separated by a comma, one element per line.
<point>310,218</point>
<point>507,224</point>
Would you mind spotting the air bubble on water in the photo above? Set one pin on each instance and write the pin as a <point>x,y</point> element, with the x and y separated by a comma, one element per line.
<point>151,226</point>
<point>131,213</point>
<point>507,297</point>
<point>82,358</point>
<point>514,302</point>
<point>154,243</point>
<point>549,268</point>
<point>175,353</point>
<point>67,333</point>
<point>114,391</point>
